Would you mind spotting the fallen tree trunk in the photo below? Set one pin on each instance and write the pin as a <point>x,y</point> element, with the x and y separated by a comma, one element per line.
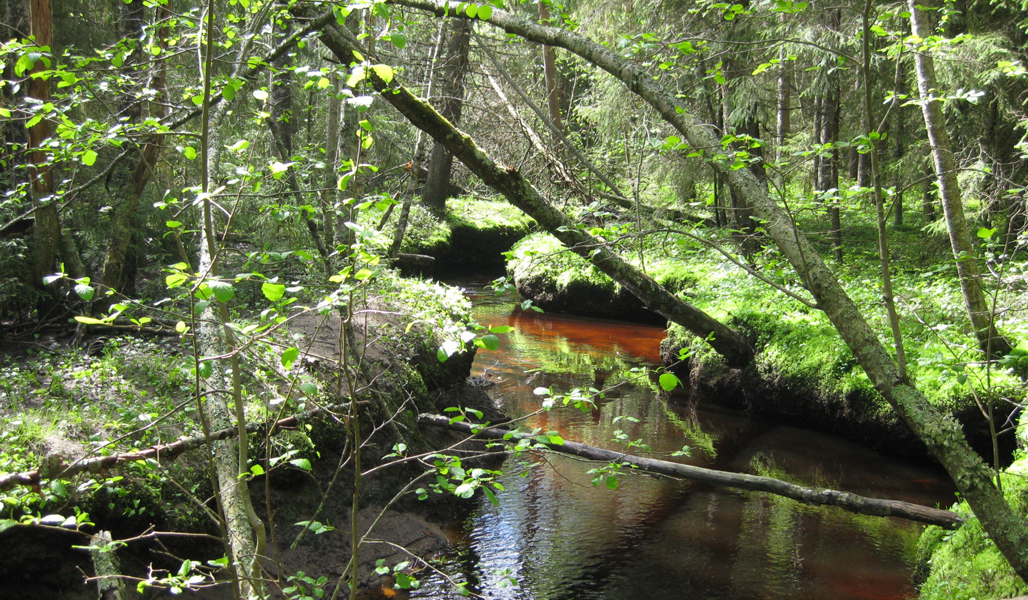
<point>56,468</point>
<point>727,342</point>
<point>755,483</point>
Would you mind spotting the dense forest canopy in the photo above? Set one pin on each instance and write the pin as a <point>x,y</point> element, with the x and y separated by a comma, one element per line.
<point>203,166</point>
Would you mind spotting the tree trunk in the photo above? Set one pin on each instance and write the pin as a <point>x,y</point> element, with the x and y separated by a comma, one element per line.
<point>784,123</point>
<point>282,125</point>
<point>440,164</point>
<point>47,229</point>
<point>508,181</point>
<point>940,432</point>
<point>553,99</point>
<point>131,189</point>
<point>828,167</point>
<point>977,305</point>
<point>244,532</point>
<point>740,481</point>
<point>899,151</point>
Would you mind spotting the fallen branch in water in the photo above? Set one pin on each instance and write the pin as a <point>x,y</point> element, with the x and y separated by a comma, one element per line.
<point>815,496</point>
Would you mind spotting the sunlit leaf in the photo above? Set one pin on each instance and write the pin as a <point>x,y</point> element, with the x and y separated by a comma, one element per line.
<point>273,291</point>
<point>490,341</point>
<point>669,381</point>
<point>84,291</point>
<point>289,357</point>
<point>223,290</point>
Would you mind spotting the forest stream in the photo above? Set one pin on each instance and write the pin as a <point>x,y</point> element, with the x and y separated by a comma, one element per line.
<point>556,535</point>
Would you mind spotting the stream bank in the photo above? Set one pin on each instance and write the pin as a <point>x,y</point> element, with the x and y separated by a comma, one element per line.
<point>802,371</point>
<point>56,399</point>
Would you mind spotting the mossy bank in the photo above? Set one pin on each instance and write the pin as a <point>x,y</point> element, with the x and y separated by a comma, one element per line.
<point>803,372</point>
<point>472,235</point>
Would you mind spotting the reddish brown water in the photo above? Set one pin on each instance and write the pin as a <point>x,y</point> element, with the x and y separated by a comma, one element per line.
<point>554,535</point>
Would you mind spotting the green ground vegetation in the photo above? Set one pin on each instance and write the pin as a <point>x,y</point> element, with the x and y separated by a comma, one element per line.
<point>795,342</point>
<point>965,564</point>
<point>118,393</point>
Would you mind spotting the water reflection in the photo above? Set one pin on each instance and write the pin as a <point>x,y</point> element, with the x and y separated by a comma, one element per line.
<point>556,536</point>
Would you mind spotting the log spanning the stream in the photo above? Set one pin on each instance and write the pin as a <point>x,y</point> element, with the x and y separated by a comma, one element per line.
<point>814,496</point>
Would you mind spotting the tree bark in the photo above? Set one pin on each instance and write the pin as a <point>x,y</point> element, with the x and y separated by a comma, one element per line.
<point>47,229</point>
<point>440,164</point>
<point>553,100</point>
<point>740,481</point>
<point>244,532</point>
<point>940,432</point>
<point>978,310</point>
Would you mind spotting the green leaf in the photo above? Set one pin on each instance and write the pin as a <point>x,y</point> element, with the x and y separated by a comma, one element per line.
<point>261,95</point>
<point>189,152</point>
<point>363,274</point>
<point>181,327</point>
<point>89,158</point>
<point>611,482</point>
<point>308,388</point>
<point>5,113</point>
<point>273,291</point>
<point>668,381</point>
<point>383,72</point>
<point>228,92</point>
<point>488,492</point>
<point>175,279</point>
<point>84,291</point>
<point>398,39</point>
<point>223,290</point>
<point>490,341</point>
<point>500,328</point>
<point>289,357</point>
<point>485,11</point>
<point>257,470</point>
<point>985,233</point>
<point>88,320</point>
<point>301,463</point>
<point>33,121</point>
<point>472,10</point>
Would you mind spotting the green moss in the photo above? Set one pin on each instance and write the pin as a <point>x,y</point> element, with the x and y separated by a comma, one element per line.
<point>965,564</point>
<point>485,214</point>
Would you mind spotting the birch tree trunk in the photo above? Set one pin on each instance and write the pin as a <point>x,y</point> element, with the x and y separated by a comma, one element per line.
<point>989,340</point>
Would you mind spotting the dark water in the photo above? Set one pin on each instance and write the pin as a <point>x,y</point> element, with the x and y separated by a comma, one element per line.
<point>555,535</point>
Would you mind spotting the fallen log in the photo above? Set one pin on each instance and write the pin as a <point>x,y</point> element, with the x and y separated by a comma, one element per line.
<point>814,496</point>
<point>54,466</point>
